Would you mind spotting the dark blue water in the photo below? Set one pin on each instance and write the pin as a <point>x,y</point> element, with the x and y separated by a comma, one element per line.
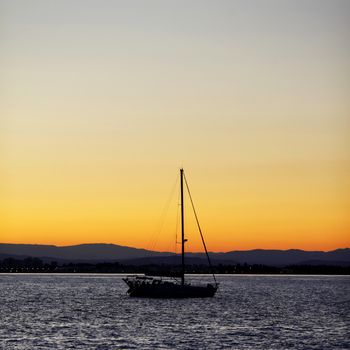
<point>248,312</point>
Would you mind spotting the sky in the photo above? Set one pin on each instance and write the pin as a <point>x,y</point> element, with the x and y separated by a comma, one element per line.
<point>101,103</point>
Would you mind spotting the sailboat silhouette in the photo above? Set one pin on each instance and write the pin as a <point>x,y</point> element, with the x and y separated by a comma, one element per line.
<point>149,287</point>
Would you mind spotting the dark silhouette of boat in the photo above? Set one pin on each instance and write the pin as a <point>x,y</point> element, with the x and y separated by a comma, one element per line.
<point>149,287</point>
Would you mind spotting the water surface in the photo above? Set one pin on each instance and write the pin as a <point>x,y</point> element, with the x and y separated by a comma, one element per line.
<point>248,312</point>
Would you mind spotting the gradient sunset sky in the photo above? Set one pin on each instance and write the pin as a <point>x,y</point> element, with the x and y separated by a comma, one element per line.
<point>101,103</point>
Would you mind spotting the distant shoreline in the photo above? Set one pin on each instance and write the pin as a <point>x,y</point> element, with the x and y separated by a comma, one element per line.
<point>36,265</point>
<point>187,274</point>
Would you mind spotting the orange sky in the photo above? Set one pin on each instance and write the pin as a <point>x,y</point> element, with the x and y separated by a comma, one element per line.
<point>99,109</point>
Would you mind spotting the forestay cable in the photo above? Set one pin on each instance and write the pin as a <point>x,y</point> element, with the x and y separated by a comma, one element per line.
<point>200,230</point>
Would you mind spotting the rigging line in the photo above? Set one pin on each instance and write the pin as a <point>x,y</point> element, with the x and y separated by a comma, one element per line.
<point>200,230</point>
<point>175,232</point>
<point>177,224</point>
<point>153,240</point>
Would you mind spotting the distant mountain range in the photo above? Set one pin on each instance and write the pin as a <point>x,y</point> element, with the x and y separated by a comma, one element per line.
<point>81,252</point>
<point>127,255</point>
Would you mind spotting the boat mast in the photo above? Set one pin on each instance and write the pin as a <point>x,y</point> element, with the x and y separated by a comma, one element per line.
<point>182,229</point>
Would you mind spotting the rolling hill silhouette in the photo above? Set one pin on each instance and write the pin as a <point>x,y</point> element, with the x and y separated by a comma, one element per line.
<point>112,252</point>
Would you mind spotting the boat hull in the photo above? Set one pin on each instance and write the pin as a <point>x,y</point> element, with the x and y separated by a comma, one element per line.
<point>170,290</point>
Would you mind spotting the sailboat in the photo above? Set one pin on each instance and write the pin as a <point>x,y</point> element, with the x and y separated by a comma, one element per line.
<point>150,287</point>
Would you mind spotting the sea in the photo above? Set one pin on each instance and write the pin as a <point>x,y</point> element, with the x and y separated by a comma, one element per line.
<point>70,311</point>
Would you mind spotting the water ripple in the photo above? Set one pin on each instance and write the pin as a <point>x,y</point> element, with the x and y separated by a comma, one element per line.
<point>249,312</point>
